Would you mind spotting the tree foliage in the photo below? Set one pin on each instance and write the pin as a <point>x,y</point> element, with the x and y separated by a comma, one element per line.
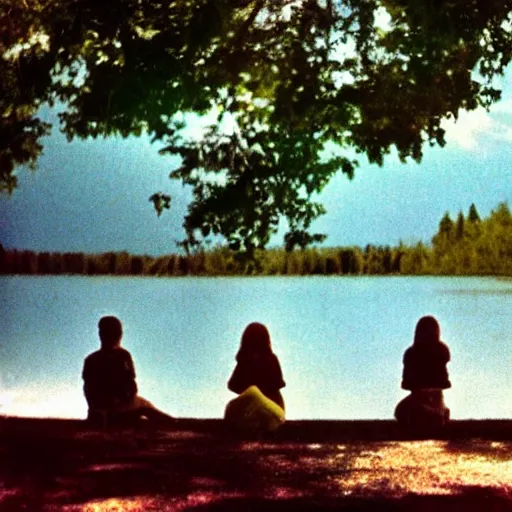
<point>470,247</point>
<point>473,215</point>
<point>293,88</point>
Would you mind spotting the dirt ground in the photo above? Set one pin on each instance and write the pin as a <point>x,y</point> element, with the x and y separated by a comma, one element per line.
<point>63,465</point>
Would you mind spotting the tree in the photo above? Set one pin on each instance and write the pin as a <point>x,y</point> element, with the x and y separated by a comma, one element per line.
<point>444,237</point>
<point>415,260</point>
<point>473,225</point>
<point>295,88</point>
<point>473,216</point>
<point>446,226</point>
<point>459,229</point>
<point>502,215</point>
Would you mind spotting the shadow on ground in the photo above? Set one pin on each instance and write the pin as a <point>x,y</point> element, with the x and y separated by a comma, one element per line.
<point>470,500</point>
<point>185,470</point>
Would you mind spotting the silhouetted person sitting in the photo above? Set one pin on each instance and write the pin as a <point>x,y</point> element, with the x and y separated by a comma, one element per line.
<point>425,375</point>
<point>257,379</point>
<point>257,365</point>
<point>109,380</point>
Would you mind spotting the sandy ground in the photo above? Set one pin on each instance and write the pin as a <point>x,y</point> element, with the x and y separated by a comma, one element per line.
<point>197,465</point>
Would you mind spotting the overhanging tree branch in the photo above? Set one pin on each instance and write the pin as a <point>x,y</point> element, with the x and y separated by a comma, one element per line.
<point>293,87</point>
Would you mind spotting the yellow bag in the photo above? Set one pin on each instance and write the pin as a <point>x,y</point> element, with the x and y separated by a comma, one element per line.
<point>252,411</point>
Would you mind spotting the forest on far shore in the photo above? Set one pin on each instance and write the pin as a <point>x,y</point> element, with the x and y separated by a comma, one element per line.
<point>467,245</point>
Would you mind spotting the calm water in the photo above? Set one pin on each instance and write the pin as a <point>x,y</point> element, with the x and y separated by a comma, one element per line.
<point>340,340</point>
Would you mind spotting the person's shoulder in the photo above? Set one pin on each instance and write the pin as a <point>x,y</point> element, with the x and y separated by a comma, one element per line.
<point>116,353</point>
<point>443,347</point>
<point>92,356</point>
<point>408,352</point>
<point>122,353</point>
<point>275,360</point>
<point>91,362</point>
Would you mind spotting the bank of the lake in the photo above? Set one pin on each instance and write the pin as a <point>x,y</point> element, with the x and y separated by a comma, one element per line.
<point>359,466</point>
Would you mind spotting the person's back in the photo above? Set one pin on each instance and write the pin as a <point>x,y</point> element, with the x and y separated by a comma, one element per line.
<point>425,375</point>
<point>257,379</point>
<point>109,378</point>
<point>262,371</point>
<point>257,365</point>
<point>425,367</point>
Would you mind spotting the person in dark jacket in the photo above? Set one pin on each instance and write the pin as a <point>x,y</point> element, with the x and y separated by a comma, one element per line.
<point>425,375</point>
<point>109,378</point>
<point>257,365</point>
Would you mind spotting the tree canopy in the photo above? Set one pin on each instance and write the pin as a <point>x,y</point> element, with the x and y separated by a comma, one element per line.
<point>293,90</point>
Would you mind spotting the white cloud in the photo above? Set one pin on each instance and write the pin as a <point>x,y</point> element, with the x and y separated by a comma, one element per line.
<point>502,107</point>
<point>473,129</point>
<point>467,128</point>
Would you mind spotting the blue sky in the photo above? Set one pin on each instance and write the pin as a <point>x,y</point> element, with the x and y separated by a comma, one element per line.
<point>92,196</point>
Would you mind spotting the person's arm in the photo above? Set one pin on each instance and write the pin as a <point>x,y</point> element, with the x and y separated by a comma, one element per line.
<point>90,387</point>
<point>444,377</point>
<point>277,375</point>
<point>84,378</point>
<point>130,385</point>
<point>85,372</point>
<point>446,353</point>
<point>406,377</point>
<point>237,382</point>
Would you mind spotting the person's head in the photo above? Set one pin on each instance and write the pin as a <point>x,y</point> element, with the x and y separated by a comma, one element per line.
<point>427,331</point>
<point>110,331</point>
<point>255,341</point>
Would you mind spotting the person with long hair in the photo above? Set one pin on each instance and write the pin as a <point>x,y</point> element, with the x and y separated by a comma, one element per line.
<point>425,375</point>
<point>257,365</point>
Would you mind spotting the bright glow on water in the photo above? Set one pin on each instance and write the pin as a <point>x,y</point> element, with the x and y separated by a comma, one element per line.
<point>340,340</point>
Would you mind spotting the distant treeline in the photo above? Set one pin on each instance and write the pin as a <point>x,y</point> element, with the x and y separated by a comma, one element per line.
<point>466,246</point>
<point>215,262</point>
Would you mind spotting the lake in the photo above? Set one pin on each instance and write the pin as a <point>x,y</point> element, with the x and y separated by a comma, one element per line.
<point>340,340</point>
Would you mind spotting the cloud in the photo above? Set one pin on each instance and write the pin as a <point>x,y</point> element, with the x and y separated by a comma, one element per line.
<point>503,107</point>
<point>473,129</point>
<point>467,128</point>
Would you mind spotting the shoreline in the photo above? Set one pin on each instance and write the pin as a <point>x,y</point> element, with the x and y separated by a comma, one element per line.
<point>483,275</point>
<point>309,430</point>
<point>198,465</point>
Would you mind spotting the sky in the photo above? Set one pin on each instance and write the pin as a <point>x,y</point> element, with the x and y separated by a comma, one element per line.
<point>93,196</point>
